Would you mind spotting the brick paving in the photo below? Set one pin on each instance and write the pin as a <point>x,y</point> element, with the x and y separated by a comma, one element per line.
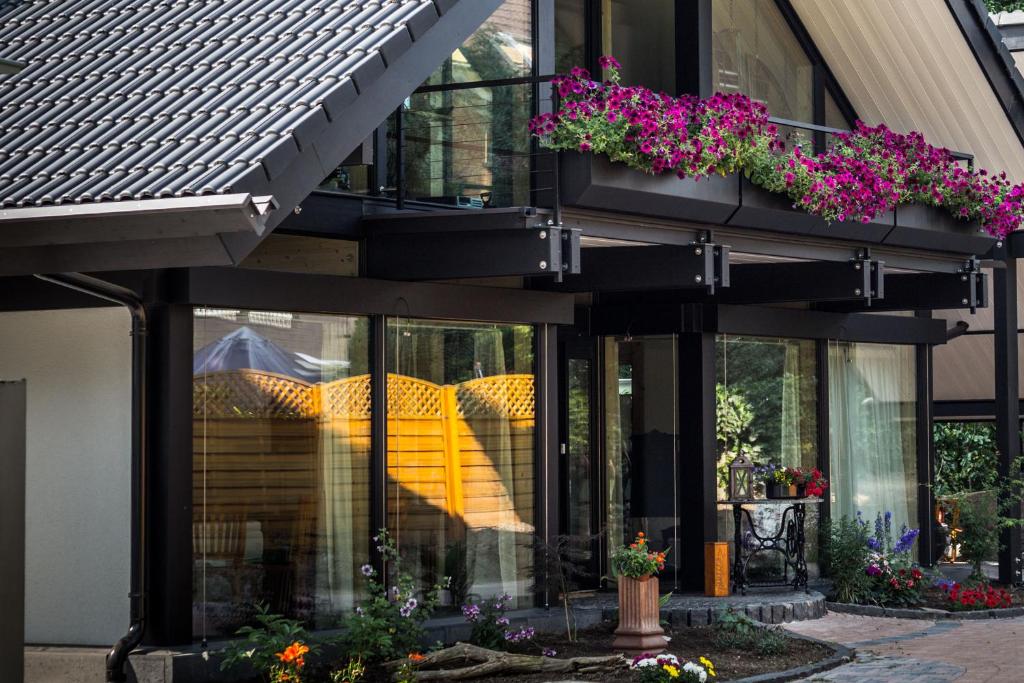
<point>912,651</point>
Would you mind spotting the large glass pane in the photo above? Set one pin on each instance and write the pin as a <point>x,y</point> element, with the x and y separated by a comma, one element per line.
<point>501,48</point>
<point>469,147</point>
<point>281,406</point>
<point>641,428</point>
<point>642,35</point>
<point>579,458</point>
<point>460,496</point>
<point>767,409</point>
<point>754,52</point>
<point>872,409</point>
<point>570,34</point>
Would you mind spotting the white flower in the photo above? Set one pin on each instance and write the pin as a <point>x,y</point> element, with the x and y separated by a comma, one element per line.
<point>250,653</point>
<point>697,670</point>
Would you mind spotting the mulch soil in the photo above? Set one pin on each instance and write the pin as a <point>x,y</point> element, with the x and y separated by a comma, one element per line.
<point>686,644</point>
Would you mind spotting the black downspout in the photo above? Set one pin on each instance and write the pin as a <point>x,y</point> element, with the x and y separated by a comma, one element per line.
<point>117,658</point>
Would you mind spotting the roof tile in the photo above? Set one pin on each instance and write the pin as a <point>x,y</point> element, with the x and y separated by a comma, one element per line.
<point>129,100</point>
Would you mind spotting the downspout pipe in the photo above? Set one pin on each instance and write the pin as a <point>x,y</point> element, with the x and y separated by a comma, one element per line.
<point>117,658</point>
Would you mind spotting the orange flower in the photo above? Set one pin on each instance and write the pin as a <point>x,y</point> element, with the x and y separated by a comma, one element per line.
<point>416,657</point>
<point>293,654</point>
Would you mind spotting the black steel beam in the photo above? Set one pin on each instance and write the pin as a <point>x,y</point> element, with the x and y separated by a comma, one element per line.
<point>925,459</point>
<point>927,291</point>
<point>1007,406</point>
<point>858,280</point>
<point>432,255</point>
<point>703,267</point>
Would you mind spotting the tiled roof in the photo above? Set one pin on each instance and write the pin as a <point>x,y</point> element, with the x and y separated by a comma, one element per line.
<point>171,98</point>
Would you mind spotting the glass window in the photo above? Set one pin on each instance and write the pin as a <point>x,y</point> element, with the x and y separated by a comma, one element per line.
<point>570,35</point>
<point>460,496</point>
<point>641,428</point>
<point>281,407</point>
<point>501,48</point>
<point>469,148</point>
<point>754,52</point>
<point>579,462</point>
<point>873,409</point>
<point>641,34</point>
<point>767,408</point>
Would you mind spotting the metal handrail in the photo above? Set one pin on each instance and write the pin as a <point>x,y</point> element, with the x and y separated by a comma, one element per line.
<point>960,156</point>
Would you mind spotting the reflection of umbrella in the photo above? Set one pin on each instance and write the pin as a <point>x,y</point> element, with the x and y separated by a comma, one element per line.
<point>245,349</point>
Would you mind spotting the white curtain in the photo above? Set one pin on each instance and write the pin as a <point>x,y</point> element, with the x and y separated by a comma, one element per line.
<point>873,430</point>
<point>341,526</point>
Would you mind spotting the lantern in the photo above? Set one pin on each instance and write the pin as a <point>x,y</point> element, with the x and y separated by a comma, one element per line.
<point>741,478</point>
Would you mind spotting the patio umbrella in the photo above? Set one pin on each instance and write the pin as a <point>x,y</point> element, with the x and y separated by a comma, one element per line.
<point>245,349</point>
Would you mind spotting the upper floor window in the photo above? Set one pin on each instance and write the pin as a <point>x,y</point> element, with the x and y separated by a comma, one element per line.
<point>756,53</point>
<point>501,48</point>
<point>641,35</point>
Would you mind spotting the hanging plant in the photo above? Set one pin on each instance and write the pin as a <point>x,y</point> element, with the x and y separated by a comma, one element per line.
<point>863,174</point>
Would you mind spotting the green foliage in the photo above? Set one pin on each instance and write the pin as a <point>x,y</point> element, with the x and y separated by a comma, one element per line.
<point>1004,5</point>
<point>389,623</point>
<point>965,457</point>
<point>979,531</point>
<point>738,631</point>
<point>637,560</point>
<point>353,672</point>
<point>733,419</point>
<point>846,555</point>
<point>260,644</point>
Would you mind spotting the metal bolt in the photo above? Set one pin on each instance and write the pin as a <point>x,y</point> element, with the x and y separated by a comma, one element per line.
<point>698,278</point>
<point>551,222</point>
<point>297,210</point>
<point>544,266</point>
<point>857,266</point>
<point>856,292</point>
<point>964,302</point>
<point>543,234</point>
<point>963,278</point>
<point>698,251</point>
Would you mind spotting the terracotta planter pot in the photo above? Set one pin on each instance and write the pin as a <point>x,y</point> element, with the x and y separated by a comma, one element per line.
<point>639,624</point>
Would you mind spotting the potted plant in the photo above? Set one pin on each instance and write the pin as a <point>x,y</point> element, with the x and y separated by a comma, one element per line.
<point>639,627</point>
<point>778,481</point>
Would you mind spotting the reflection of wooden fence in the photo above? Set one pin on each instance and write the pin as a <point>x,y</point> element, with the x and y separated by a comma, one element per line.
<point>265,439</point>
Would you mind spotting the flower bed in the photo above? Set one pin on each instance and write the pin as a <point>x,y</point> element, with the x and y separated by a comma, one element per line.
<point>862,175</point>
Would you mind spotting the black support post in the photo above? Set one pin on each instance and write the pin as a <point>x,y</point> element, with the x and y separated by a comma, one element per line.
<point>12,529</point>
<point>547,452</point>
<point>170,480</point>
<point>1006,404</point>
<point>925,461</point>
<point>698,491</point>
<point>378,432</point>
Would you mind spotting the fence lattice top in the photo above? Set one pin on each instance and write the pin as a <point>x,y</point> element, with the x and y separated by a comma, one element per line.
<point>257,394</point>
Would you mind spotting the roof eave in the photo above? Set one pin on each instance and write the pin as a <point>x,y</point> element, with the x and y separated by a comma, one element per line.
<point>151,233</point>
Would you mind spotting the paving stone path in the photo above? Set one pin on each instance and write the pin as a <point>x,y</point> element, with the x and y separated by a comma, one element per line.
<point>912,651</point>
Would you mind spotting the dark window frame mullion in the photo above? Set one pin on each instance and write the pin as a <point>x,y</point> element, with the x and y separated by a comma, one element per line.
<point>378,433</point>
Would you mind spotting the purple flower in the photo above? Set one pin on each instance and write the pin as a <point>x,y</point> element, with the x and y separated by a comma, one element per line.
<point>549,652</point>
<point>411,603</point>
<point>875,544</point>
<point>405,611</point>
<point>360,612</point>
<point>873,570</point>
<point>906,540</point>
<point>525,633</point>
<point>471,612</point>
<point>367,570</point>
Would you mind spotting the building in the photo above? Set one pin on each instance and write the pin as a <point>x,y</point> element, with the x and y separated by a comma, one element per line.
<point>370,299</point>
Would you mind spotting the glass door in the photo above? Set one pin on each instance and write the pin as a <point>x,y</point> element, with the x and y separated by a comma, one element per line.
<point>641,428</point>
<point>578,448</point>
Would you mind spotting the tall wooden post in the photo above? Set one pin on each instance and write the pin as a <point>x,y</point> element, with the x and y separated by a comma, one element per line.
<point>1007,408</point>
<point>12,530</point>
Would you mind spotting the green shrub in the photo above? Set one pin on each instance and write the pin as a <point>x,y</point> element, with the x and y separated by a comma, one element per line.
<point>260,644</point>
<point>965,457</point>
<point>738,631</point>
<point>388,625</point>
<point>846,555</point>
<point>979,531</point>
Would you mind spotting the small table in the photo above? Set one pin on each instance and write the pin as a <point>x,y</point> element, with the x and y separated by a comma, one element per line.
<point>788,541</point>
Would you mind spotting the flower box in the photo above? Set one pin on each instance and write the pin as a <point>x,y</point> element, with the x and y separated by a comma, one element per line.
<point>930,227</point>
<point>593,182</point>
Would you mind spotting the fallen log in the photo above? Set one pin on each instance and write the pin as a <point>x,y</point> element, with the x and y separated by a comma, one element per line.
<point>477,662</point>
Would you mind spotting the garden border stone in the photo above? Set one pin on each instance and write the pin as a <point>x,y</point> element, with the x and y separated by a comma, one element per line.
<point>841,654</point>
<point>923,614</point>
<point>704,611</point>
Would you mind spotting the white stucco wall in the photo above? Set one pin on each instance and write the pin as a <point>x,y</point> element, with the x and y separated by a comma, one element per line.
<point>78,367</point>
